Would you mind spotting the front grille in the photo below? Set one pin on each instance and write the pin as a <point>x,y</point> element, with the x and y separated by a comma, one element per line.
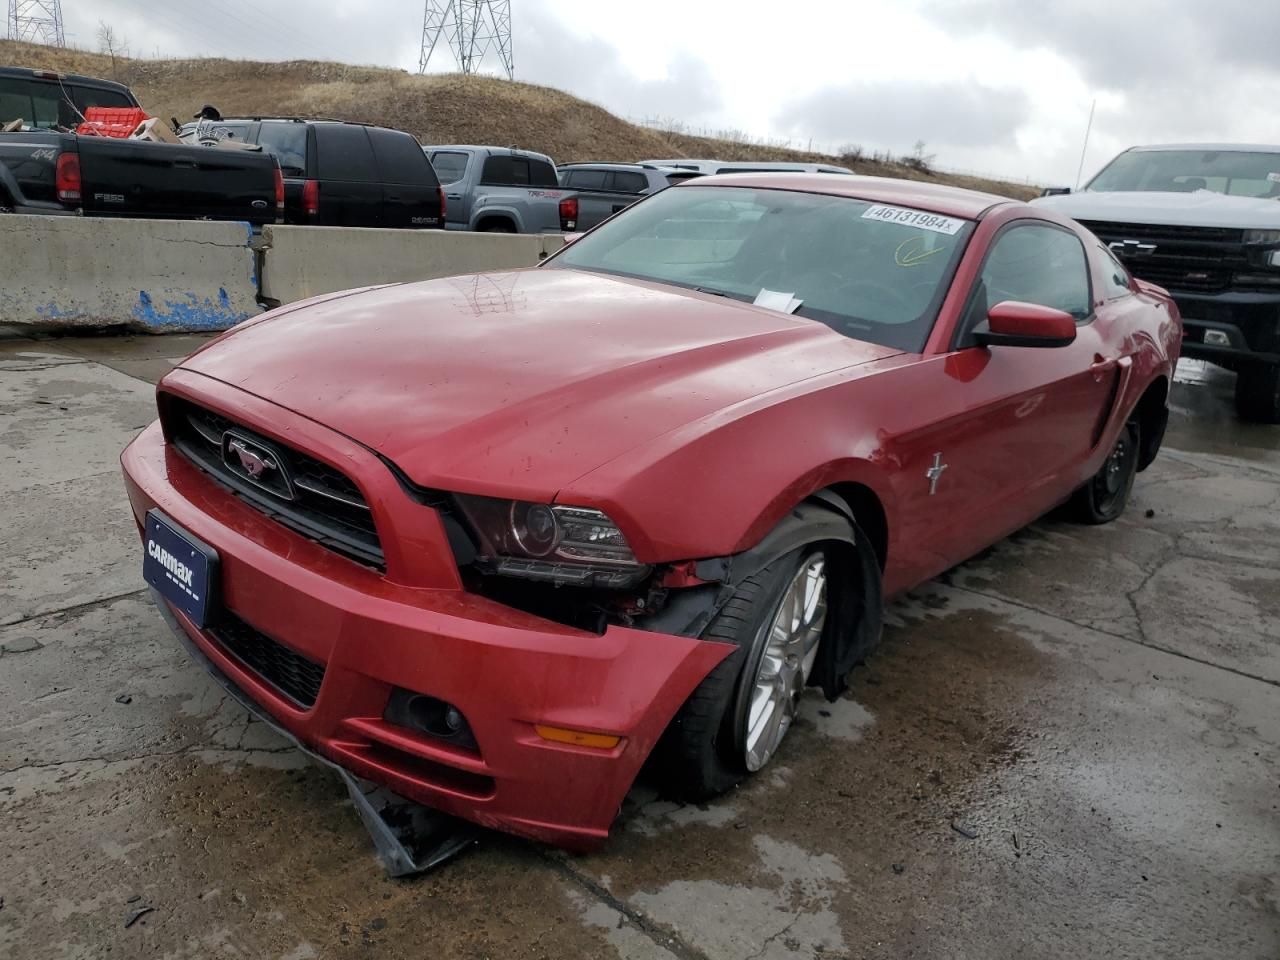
<point>294,675</point>
<point>300,492</point>
<point>1194,259</point>
<point>1176,276</point>
<point>1159,231</point>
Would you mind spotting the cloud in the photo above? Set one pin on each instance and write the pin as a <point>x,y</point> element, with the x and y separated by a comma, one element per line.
<point>1118,45</point>
<point>896,114</point>
<point>552,51</point>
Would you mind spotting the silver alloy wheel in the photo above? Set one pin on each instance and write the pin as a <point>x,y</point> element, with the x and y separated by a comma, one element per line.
<point>792,648</point>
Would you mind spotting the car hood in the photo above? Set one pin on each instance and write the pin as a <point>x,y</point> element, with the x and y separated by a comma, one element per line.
<point>519,383</point>
<point>1203,208</point>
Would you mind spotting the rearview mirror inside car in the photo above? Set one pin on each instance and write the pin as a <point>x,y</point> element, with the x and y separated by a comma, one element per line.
<point>1012,323</point>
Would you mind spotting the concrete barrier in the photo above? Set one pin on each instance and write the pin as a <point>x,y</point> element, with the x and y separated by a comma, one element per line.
<point>156,275</point>
<point>303,262</point>
<point>59,273</point>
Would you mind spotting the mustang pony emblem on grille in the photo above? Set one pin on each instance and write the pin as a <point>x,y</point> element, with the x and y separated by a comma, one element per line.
<point>255,463</point>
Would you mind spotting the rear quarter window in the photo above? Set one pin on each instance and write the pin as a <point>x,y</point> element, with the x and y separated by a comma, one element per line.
<point>343,152</point>
<point>628,181</point>
<point>400,158</point>
<point>585,179</point>
<point>287,142</point>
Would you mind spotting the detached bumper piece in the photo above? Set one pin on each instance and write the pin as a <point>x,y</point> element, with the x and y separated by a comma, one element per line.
<point>408,837</point>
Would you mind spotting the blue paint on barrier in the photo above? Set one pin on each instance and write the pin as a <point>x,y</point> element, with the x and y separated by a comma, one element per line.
<point>190,313</point>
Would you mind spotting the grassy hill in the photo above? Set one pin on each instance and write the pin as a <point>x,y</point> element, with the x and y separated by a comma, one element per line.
<point>436,108</point>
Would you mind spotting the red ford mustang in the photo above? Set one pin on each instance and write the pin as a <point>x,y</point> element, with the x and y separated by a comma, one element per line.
<point>491,541</point>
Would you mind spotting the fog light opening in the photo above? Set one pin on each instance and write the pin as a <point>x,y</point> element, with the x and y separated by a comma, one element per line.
<point>430,715</point>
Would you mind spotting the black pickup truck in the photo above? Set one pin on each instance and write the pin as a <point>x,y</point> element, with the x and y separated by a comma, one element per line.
<point>45,169</point>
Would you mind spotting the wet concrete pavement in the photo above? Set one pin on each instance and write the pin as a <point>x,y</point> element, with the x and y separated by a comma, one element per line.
<point>1067,747</point>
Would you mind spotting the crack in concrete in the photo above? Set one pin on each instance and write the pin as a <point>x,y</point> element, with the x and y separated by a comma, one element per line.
<point>662,937</point>
<point>9,366</point>
<point>73,609</point>
<point>189,749</point>
<point>1118,636</point>
<point>774,936</point>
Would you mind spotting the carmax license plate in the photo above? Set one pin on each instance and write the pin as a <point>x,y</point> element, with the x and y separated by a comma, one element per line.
<point>181,566</point>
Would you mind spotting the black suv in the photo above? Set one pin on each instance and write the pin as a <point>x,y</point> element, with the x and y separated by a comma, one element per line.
<point>340,174</point>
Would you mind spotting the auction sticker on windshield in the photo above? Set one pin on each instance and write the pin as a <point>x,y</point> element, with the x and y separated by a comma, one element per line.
<point>919,219</point>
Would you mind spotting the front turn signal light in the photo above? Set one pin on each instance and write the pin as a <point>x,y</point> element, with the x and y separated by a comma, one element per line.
<point>578,738</point>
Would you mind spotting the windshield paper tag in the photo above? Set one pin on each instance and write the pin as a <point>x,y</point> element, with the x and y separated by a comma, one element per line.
<point>913,218</point>
<point>776,300</point>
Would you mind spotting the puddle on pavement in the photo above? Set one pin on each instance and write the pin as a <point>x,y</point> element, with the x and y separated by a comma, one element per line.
<point>908,748</point>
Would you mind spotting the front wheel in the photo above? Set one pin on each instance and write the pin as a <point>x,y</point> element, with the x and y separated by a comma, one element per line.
<point>1258,393</point>
<point>1104,497</point>
<point>734,722</point>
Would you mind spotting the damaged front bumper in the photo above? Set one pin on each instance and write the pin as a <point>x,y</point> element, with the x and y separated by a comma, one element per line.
<point>508,672</point>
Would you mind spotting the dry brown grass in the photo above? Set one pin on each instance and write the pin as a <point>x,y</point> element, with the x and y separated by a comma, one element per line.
<point>437,108</point>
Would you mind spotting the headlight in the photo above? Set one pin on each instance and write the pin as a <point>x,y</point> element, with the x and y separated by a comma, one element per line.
<point>1262,236</point>
<point>537,541</point>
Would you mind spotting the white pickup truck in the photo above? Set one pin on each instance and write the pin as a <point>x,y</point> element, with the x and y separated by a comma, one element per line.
<point>1202,221</point>
<point>502,190</point>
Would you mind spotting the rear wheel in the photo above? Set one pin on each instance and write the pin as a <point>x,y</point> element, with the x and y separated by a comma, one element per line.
<point>1104,497</point>
<point>497,226</point>
<point>1258,393</point>
<point>735,720</point>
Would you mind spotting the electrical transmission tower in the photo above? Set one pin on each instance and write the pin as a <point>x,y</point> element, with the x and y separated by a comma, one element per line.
<point>37,21</point>
<point>471,29</point>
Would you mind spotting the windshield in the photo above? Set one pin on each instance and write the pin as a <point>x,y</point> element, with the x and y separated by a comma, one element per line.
<point>1238,173</point>
<point>869,271</point>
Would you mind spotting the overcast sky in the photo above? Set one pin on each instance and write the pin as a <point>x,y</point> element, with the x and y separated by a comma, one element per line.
<point>998,86</point>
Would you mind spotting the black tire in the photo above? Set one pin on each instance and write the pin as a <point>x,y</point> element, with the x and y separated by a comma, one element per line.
<point>702,752</point>
<point>1104,497</point>
<point>1258,394</point>
<point>497,226</point>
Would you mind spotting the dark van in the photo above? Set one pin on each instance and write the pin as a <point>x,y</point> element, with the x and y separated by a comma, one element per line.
<point>340,174</point>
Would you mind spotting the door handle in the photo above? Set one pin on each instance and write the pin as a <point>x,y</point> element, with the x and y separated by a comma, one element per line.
<point>1101,366</point>
<point>453,196</point>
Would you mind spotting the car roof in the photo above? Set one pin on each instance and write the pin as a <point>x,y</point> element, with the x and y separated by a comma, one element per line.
<point>27,73</point>
<point>1208,147</point>
<point>934,197</point>
<point>605,165</point>
<point>492,151</point>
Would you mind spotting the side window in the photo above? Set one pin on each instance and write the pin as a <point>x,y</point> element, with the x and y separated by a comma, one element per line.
<point>542,174</point>
<point>343,153</point>
<point>287,142</point>
<point>1117,277</point>
<point>1036,263</point>
<point>628,181</point>
<point>400,157</point>
<point>506,171</point>
<point>585,179</point>
<point>450,165</point>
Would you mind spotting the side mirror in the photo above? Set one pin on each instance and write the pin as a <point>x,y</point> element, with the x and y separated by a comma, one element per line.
<point>1054,191</point>
<point>1012,323</point>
